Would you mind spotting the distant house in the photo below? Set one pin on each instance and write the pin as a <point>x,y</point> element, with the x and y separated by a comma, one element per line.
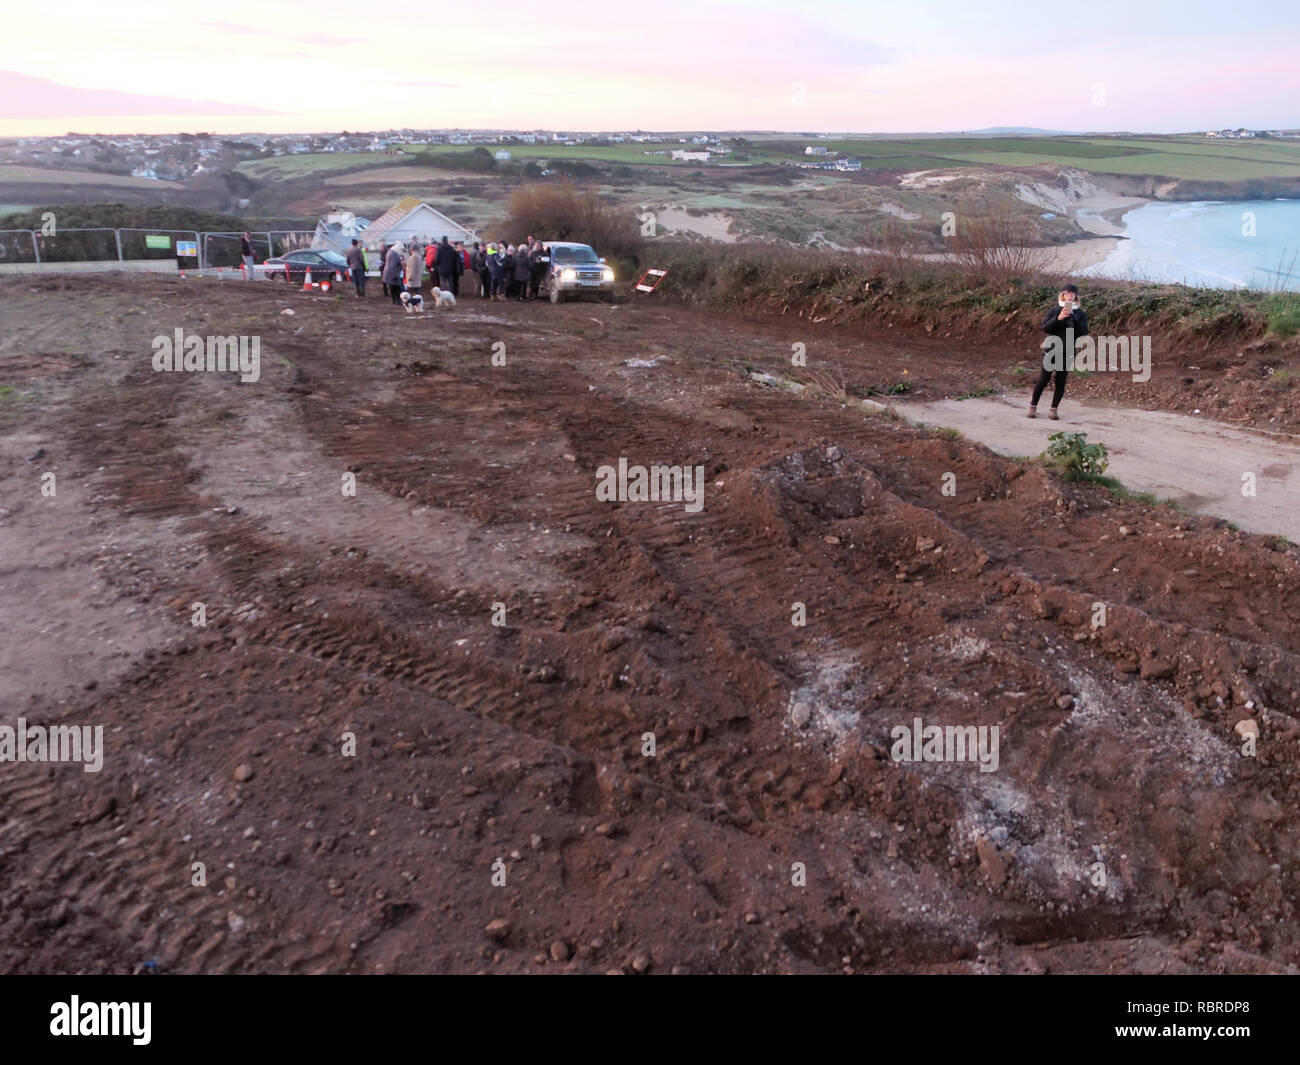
<point>689,157</point>
<point>815,149</point>
<point>848,164</point>
<point>413,219</point>
<point>503,156</point>
<point>337,229</point>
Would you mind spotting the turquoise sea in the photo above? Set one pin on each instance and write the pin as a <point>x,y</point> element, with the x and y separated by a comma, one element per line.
<point>1238,244</point>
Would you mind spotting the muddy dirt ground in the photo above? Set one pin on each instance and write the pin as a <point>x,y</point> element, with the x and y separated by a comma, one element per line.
<point>1123,831</point>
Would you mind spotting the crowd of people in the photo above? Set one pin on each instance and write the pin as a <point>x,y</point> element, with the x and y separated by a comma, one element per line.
<point>495,271</point>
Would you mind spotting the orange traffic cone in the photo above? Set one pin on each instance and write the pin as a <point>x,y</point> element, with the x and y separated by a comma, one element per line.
<point>306,280</point>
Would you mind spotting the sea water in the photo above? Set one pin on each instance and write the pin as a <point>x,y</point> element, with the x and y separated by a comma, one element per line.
<point>1210,243</point>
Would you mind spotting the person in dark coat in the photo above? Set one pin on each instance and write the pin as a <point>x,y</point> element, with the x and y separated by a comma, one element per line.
<point>508,264</point>
<point>1063,324</point>
<point>393,272</point>
<point>383,262</point>
<point>357,268</point>
<point>496,263</point>
<point>539,261</point>
<point>523,270</point>
<point>463,256</point>
<point>446,261</point>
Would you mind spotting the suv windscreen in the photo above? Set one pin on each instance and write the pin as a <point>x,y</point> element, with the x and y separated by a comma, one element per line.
<point>573,255</point>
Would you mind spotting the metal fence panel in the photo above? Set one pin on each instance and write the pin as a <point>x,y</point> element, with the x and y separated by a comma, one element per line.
<point>11,251</point>
<point>95,243</point>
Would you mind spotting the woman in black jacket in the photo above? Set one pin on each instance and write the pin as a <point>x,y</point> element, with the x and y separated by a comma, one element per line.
<point>1063,324</point>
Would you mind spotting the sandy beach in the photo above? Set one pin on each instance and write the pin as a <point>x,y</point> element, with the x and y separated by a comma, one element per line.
<point>1081,254</point>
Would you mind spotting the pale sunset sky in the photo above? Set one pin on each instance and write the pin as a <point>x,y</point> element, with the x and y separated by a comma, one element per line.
<point>843,65</point>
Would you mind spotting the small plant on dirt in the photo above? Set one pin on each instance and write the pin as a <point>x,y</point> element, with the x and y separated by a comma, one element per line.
<point>979,393</point>
<point>902,388</point>
<point>1076,459</point>
<point>829,384</point>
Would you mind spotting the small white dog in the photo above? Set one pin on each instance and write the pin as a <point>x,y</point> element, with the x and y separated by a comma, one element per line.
<point>443,300</point>
<point>413,302</point>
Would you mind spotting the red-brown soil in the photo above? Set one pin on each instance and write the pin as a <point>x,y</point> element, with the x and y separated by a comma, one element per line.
<point>1123,831</point>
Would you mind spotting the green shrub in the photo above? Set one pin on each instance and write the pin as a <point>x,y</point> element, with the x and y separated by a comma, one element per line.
<point>1074,458</point>
<point>1283,310</point>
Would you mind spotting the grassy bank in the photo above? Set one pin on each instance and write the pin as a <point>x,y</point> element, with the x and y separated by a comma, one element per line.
<point>897,291</point>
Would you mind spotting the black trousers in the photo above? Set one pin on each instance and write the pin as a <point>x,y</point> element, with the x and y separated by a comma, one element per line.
<point>485,282</point>
<point>359,279</point>
<point>1058,387</point>
<point>396,292</point>
<point>445,282</point>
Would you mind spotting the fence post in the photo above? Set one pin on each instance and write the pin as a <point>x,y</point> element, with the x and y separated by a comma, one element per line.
<point>36,247</point>
<point>270,247</point>
<point>117,236</point>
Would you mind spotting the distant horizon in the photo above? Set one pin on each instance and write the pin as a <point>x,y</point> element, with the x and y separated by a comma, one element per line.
<point>1000,131</point>
<point>777,66</point>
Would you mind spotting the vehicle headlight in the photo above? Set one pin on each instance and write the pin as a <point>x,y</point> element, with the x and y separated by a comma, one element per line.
<point>608,274</point>
<point>569,274</point>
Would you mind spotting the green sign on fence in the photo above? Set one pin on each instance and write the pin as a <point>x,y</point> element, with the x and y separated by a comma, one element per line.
<point>152,241</point>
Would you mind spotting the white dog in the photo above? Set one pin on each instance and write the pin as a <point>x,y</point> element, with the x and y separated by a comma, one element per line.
<point>413,302</point>
<point>443,300</point>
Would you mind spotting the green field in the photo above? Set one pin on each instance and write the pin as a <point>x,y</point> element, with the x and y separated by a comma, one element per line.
<point>1192,158</point>
<point>52,175</point>
<point>1188,158</point>
<point>288,167</point>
